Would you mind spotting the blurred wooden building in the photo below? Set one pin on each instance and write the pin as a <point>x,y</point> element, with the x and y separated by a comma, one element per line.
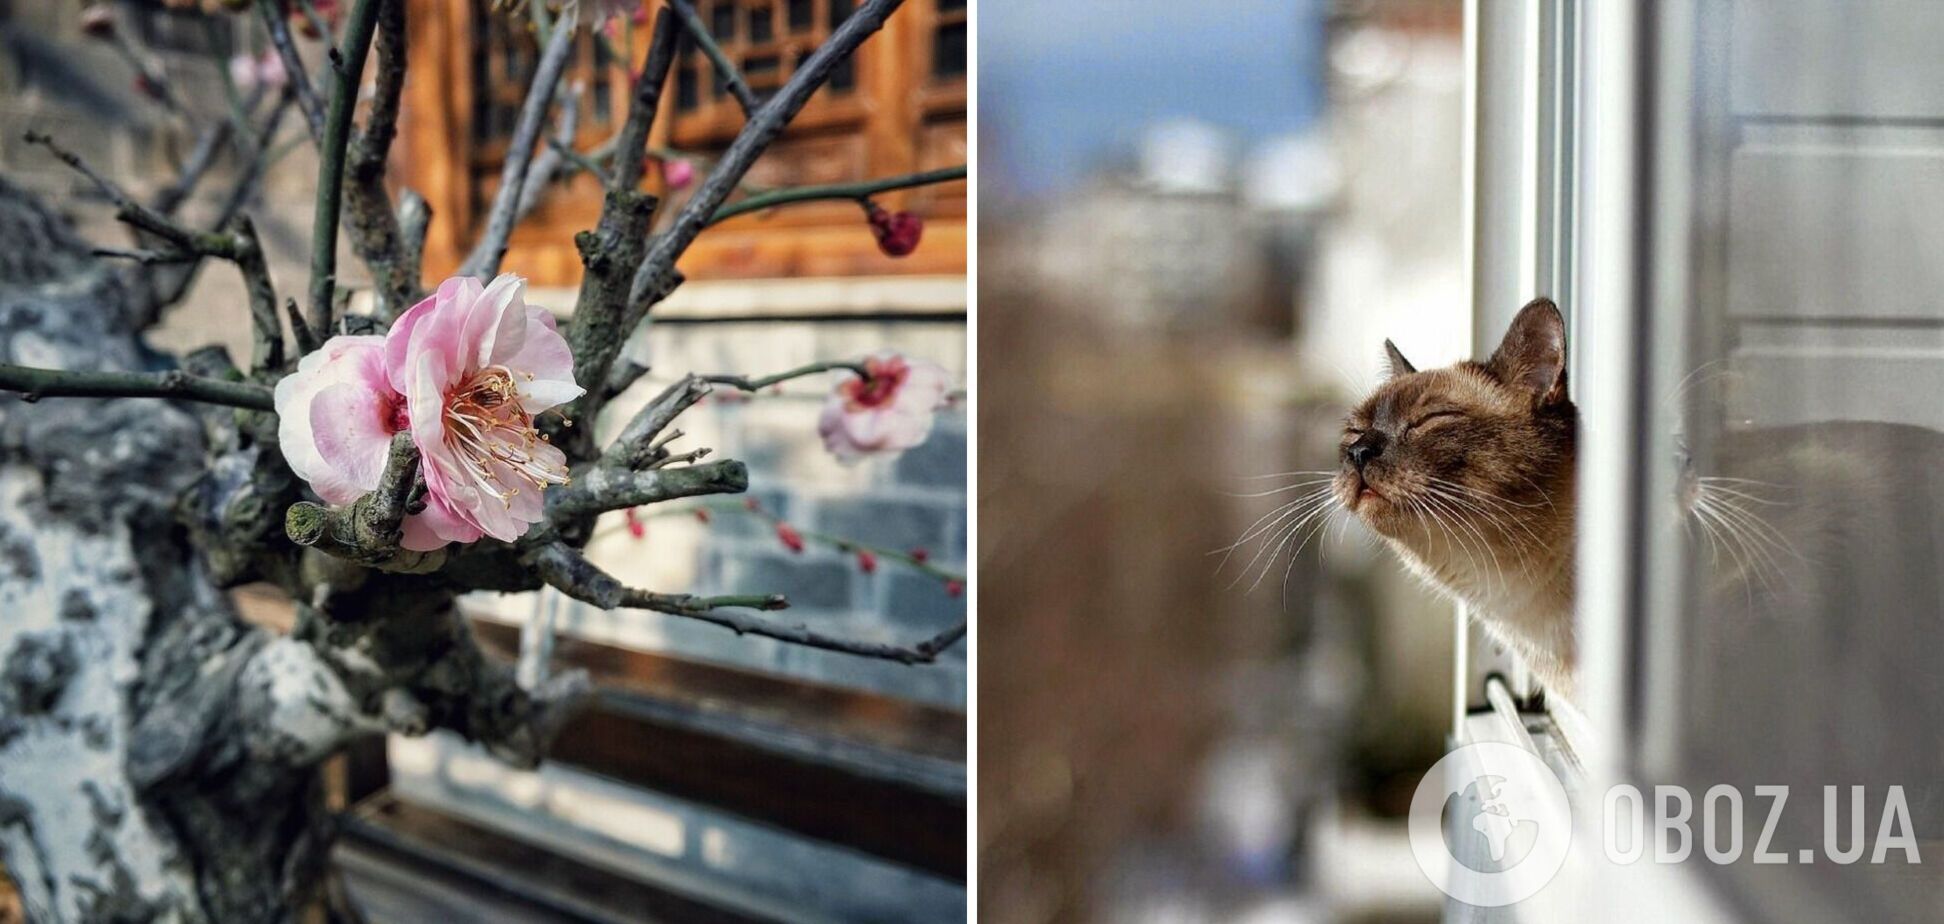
<point>898,106</point>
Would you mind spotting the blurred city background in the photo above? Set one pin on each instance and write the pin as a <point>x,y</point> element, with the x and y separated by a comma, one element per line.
<point>1197,225</point>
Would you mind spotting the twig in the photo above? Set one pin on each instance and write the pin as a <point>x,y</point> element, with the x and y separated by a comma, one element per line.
<point>563,149</point>
<point>276,21</point>
<point>855,191</point>
<point>635,446</point>
<point>267,351</point>
<point>560,146</point>
<point>572,574</point>
<point>657,276</point>
<point>626,214</point>
<point>368,530</point>
<point>630,147</point>
<point>34,384</point>
<point>414,216</point>
<point>148,257</point>
<point>731,77</point>
<point>840,543</point>
<point>758,384</point>
<point>486,255</point>
<point>331,156</point>
<point>369,218</point>
<point>605,488</point>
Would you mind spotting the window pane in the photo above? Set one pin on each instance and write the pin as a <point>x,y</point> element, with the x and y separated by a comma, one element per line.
<point>1794,547</point>
<point>948,51</point>
<point>722,22</point>
<point>762,23</point>
<point>803,15</point>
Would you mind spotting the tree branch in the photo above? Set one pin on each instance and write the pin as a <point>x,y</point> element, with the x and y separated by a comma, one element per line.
<point>603,488</point>
<point>546,163</point>
<point>484,261</point>
<point>731,77</point>
<point>331,156</point>
<point>758,384</point>
<point>368,530</point>
<point>854,191</point>
<point>276,20</point>
<point>369,217</point>
<point>635,447</point>
<point>657,275</point>
<point>34,384</point>
<point>631,142</point>
<point>572,574</point>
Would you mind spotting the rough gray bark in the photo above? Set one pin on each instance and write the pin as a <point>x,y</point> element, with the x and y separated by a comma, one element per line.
<point>157,755</point>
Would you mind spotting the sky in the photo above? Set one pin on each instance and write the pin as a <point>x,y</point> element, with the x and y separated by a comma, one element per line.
<point>1066,85</point>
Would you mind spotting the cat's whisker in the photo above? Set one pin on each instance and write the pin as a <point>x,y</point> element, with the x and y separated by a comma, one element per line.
<point>1289,487</point>
<point>1330,473</point>
<point>1279,530</point>
<point>1256,528</point>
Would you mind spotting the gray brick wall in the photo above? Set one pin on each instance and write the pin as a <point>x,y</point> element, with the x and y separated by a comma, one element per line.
<point>914,500</point>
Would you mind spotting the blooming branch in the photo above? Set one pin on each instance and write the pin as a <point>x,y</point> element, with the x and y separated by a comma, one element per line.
<point>859,191</point>
<point>572,574</point>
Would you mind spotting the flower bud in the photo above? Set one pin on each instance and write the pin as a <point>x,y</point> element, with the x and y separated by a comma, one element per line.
<point>678,173</point>
<point>897,232</point>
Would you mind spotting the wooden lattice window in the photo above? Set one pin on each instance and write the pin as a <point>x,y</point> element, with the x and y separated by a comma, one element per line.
<point>505,52</point>
<point>767,40</point>
<point>948,41</point>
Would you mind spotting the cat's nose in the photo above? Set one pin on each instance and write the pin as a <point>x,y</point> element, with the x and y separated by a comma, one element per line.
<point>1366,447</point>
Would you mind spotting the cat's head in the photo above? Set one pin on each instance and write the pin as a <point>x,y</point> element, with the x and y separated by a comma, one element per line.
<point>1468,444</point>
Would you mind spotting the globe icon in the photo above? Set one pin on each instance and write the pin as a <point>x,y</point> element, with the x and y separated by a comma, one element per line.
<point>1484,828</point>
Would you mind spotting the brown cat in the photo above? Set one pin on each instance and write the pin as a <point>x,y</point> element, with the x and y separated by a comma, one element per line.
<point>1467,472</point>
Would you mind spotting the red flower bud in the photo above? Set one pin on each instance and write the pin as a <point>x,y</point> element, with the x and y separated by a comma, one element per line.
<point>954,588</point>
<point>897,232</point>
<point>636,528</point>
<point>920,554</point>
<point>702,515</point>
<point>790,538</point>
<point>752,505</point>
<point>866,562</point>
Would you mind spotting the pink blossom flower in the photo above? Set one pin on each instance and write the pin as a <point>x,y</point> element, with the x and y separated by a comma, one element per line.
<point>614,10</point>
<point>266,69</point>
<point>891,410</point>
<point>464,372</point>
<point>678,173</point>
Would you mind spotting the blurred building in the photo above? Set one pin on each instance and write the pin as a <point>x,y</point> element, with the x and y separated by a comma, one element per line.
<point>1168,735</point>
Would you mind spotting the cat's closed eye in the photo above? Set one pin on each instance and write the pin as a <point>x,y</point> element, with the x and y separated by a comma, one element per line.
<point>1433,417</point>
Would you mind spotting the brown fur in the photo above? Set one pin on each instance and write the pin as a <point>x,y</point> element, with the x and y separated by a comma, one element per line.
<point>1468,474</point>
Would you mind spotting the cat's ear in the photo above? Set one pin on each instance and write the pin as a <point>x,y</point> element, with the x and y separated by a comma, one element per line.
<point>1533,354</point>
<point>1398,364</point>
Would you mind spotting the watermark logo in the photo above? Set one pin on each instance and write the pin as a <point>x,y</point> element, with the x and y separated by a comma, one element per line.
<point>1490,824</point>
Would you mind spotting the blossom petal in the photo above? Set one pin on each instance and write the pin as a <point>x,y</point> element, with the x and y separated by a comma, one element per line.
<point>435,526</point>
<point>352,429</point>
<point>498,322</point>
<point>545,356</point>
<point>342,359</point>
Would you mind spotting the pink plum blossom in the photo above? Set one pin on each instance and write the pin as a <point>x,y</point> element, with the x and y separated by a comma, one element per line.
<point>266,69</point>
<point>888,411</point>
<point>678,173</point>
<point>465,372</point>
